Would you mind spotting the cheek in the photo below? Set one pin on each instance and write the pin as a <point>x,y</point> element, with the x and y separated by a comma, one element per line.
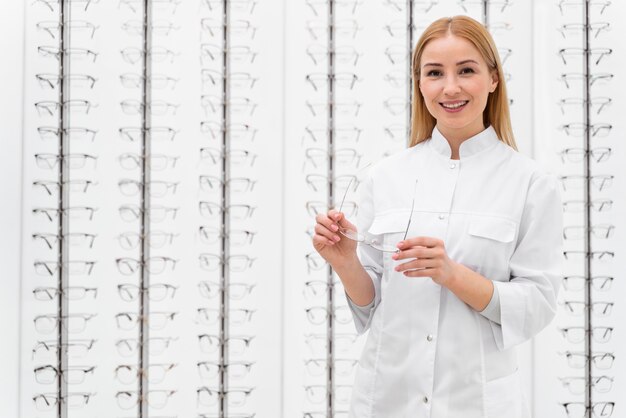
<point>478,89</point>
<point>429,91</point>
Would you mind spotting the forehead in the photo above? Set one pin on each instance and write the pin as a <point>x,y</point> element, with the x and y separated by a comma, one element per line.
<point>450,49</point>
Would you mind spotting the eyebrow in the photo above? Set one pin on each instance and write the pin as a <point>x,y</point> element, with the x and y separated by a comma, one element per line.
<point>435,64</point>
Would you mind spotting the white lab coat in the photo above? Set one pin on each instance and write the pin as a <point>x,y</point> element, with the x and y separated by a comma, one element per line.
<point>428,354</point>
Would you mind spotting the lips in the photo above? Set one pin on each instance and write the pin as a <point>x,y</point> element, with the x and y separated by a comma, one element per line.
<point>452,105</point>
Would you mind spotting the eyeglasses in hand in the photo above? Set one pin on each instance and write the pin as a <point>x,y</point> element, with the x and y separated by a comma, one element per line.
<point>374,241</point>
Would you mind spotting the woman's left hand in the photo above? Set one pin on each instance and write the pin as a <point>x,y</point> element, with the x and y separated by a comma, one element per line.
<point>428,259</point>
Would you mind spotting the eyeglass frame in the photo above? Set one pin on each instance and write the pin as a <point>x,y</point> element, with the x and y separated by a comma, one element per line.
<point>342,231</point>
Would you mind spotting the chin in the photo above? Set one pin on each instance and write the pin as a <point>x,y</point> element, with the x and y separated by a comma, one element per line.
<point>454,123</point>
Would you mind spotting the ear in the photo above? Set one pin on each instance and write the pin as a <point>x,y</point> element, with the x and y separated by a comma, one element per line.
<point>494,81</point>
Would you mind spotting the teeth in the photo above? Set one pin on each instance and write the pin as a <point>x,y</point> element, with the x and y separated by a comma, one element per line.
<point>454,106</point>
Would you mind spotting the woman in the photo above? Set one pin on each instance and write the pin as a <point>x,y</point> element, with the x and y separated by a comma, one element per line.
<point>480,268</point>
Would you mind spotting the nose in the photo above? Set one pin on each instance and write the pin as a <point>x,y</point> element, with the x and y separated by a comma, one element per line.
<point>451,86</point>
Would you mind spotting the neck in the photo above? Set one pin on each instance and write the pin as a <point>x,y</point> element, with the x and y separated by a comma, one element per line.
<point>455,137</point>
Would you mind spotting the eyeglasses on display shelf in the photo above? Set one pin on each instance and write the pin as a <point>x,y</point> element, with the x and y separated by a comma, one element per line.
<point>575,6</point>
<point>236,396</point>
<point>585,58</point>
<point>238,345</point>
<point>227,186</point>
<point>135,6</point>
<point>319,8</point>
<point>155,81</point>
<point>208,316</point>
<point>74,375</point>
<point>341,134</point>
<point>70,293</point>
<point>74,239</point>
<point>242,29</point>
<point>156,291</point>
<point>156,372</point>
<point>156,213</point>
<point>128,321</point>
<point>597,409</point>
<point>156,133</point>
<point>331,159</point>
<point>145,266</point>
<point>578,359</point>
<point>156,239</point>
<point>130,347</point>
<point>73,400</point>
<point>237,7</point>
<point>318,315</point>
<point>156,399</point>
<point>52,188</point>
<point>240,105</point>
<point>63,236</point>
<point>76,349</point>
<point>74,323</point>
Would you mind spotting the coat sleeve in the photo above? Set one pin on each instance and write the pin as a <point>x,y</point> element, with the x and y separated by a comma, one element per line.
<point>528,300</point>
<point>370,258</point>
<point>492,310</point>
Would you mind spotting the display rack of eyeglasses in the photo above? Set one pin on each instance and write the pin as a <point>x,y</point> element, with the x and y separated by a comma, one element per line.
<point>52,356</point>
<point>588,259</point>
<point>404,25</point>
<point>57,112</point>
<point>145,174</point>
<point>227,61</point>
<point>61,318</point>
<point>331,161</point>
<point>399,78</point>
<point>140,27</point>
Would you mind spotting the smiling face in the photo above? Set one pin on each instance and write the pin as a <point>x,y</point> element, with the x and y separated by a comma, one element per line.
<point>455,82</point>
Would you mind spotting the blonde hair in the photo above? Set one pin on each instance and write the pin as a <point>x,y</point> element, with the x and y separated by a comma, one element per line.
<point>496,112</point>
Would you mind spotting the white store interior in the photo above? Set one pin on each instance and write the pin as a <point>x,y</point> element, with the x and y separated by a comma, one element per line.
<point>279,122</point>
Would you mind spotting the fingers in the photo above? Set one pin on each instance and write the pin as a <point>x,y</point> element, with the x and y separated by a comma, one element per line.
<point>418,264</point>
<point>325,230</point>
<point>327,227</point>
<point>416,252</point>
<point>344,223</point>
<point>341,220</point>
<point>420,273</point>
<point>420,241</point>
<point>418,257</point>
<point>334,214</point>
<point>326,233</point>
<point>320,240</point>
<point>326,222</point>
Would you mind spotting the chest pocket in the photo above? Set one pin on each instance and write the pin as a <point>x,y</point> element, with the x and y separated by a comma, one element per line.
<point>501,230</point>
<point>490,244</point>
<point>389,223</point>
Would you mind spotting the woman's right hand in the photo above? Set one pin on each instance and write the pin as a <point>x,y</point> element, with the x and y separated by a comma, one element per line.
<point>334,247</point>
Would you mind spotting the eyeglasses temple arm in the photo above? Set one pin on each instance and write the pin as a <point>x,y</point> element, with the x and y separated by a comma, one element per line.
<point>411,214</point>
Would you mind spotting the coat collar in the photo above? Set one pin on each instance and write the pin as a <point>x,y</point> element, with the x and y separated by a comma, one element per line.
<point>473,145</point>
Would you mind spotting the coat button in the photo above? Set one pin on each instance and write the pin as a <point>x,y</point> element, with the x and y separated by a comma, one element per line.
<point>429,337</point>
<point>452,165</point>
<point>425,399</point>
